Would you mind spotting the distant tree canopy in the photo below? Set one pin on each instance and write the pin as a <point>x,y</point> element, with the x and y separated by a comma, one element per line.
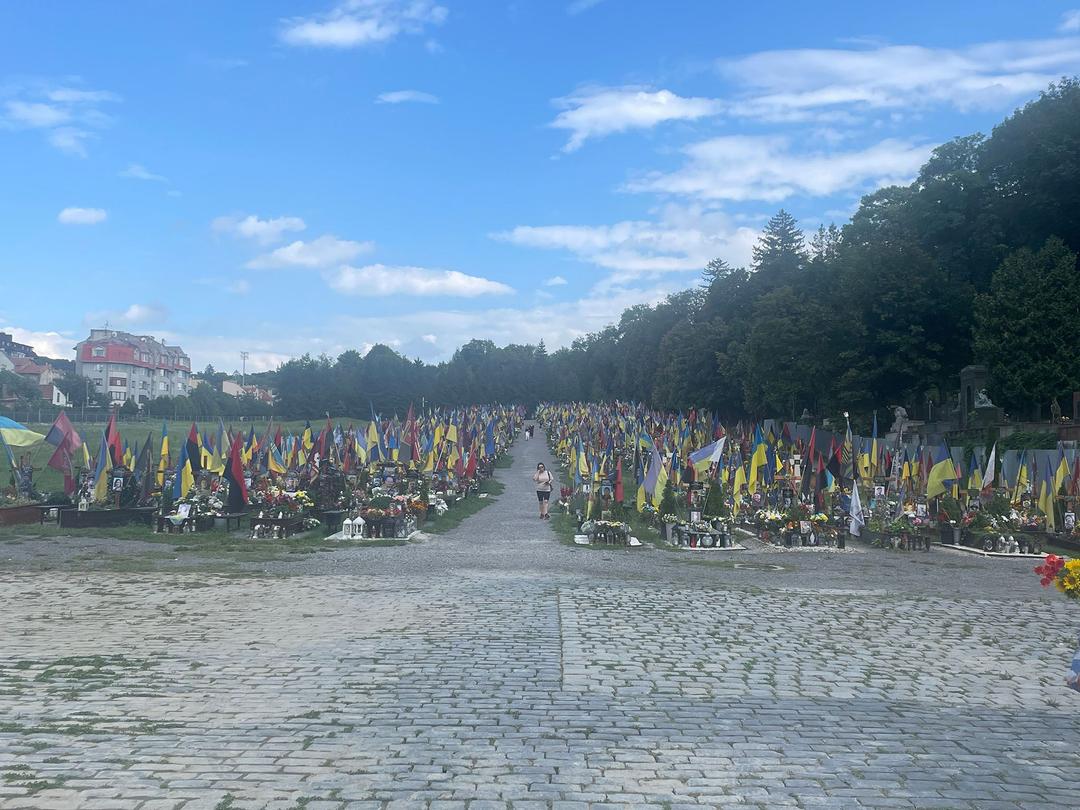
<point>975,261</point>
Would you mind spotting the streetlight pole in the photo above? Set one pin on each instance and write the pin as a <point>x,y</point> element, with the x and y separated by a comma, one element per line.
<point>243,368</point>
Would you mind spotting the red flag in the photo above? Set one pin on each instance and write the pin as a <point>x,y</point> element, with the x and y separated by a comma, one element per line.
<point>234,474</point>
<point>618,482</point>
<point>113,441</point>
<point>61,460</point>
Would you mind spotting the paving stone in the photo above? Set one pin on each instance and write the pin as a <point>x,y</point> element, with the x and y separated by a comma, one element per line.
<point>495,666</point>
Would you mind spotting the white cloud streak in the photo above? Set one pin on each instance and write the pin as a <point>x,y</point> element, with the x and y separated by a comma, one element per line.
<point>600,111</point>
<point>325,251</point>
<point>81,216</point>
<point>406,96</point>
<point>1070,21</point>
<point>136,315</point>
<point>66,116</point>
<point>263,231</point>
<point>578,6</point>
<point>136,171</point>
<point>382,280</point>
<point>683,239</point>
<point>741,167</point>
<point>819,84</point>
<point>361,23</point>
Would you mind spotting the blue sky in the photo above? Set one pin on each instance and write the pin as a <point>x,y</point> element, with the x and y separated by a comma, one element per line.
<point>301,177</point>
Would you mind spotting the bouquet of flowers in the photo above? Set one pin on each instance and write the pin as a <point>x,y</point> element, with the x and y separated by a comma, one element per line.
<point>670,519</point>
<point>769,517</point>
<point>1062,574</point>
<point>1065,576</point>
<point>203,503</point>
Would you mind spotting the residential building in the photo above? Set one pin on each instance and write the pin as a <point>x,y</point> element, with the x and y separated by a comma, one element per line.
<point>43,375</point>
<point>12,349</point>
<point>140,367</point>
<point>234,389</point>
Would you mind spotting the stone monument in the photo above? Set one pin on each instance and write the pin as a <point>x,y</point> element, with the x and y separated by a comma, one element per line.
<point>975,406</point>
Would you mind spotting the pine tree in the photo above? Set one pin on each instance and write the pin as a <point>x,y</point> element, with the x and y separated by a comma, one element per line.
<point>780,251</point>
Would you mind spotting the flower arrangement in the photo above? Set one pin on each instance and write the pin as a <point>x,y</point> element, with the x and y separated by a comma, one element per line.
<point>670,518</point>
<point>1065,576</point>
<point>711,519</point>
<point>769,517</point>
<point>1061,573</point>
<point>203,503</point>
<point>1030,521</point>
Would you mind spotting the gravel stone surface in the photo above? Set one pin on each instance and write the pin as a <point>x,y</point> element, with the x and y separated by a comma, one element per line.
<point>494,667</point>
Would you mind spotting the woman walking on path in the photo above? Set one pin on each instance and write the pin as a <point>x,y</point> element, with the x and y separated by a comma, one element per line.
<point>544,484</point>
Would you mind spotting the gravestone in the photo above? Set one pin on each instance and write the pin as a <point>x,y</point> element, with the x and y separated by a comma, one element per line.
<point>975,405</point>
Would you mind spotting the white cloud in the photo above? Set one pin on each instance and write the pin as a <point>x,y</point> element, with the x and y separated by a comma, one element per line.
<point>81,216</point>
<point>263,231</point>
<point>69,140</point>
<point>36,114</point>
<point>743,167</point>
<point>404,96</point>
<point>557,323</point>
<point>579,6</point>
<point>597,112</point>
<point>65,115</point>
<point>432,334</point>
<point>819,84</point>
<point>136,171</point>
<point>72,95</point>
<point>1070,21</point>
<point>379,279</point>
<point>47,344</point>
<point>325,251</point>
<point>358,23</point>
<point>555,281</point>
<point>135,315</point>
<point>683,239</point>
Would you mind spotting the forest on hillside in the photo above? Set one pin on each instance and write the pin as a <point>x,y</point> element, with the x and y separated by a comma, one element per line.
<point>974,261</point>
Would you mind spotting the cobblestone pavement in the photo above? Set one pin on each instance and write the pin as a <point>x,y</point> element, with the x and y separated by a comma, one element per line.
<point>495,667</point>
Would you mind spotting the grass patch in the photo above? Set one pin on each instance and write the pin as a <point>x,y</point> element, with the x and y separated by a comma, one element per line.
<point>203,551</point>
<point>452,518</point>
<point>504,462</point>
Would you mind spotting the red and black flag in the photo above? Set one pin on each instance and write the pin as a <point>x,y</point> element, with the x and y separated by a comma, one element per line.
<point>193,451</point>
<point>114,442</point>
<point>234,474</point>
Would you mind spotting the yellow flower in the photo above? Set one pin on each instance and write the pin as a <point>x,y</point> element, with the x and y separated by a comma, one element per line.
<point>1068,581</point>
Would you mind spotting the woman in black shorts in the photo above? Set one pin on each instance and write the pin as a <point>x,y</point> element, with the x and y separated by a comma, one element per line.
<point>544,484</point>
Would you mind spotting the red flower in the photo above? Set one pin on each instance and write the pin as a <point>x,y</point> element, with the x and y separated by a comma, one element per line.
<point>1050,569</point>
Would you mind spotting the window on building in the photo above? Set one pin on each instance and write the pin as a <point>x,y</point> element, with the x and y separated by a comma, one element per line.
<point>119,396</point>
<point>99,351</point>
<point>118,382</point>
<point>100,366</point>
